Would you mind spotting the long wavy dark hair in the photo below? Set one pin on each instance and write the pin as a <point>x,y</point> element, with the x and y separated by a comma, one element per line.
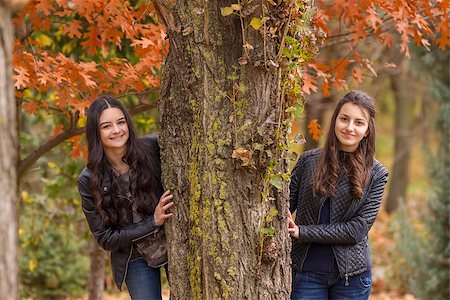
<point>356,165</point>
<point>115,210</point>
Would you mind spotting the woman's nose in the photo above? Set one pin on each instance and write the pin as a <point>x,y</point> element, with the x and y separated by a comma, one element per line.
<point>115,128</point>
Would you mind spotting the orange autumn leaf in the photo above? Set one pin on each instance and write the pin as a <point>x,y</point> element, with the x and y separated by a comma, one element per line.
<point>21,78</point>
<point>143,42</point>
<point>339,67</point>
<point>31,107</point>
<point>43,78</point>
<point>309,84</point>
<point>78,150</point>
<point>45,6</point>
<point>58,130</point>
<point>326,89</point>
<point>73,29</point>
<point>314,129</point>
<point>372,18</point>
<point>244,155</point>
<point>93,42</point>
<point>444,40</point>
<point>357,75</point>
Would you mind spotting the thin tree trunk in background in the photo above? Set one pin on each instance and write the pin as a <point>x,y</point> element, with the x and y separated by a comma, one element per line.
<point>399,175</point>
<point>96,283</point>
<point>9,285</point>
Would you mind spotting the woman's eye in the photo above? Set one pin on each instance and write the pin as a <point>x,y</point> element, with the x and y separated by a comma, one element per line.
<point>105,127</point>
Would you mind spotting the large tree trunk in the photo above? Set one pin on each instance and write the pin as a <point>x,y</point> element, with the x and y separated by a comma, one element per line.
<point>96,284</point>
<point>228,238</point>
<point>8,161</point>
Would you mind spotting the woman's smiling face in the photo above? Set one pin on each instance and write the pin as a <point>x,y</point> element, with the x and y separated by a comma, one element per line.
<point>351,126</point>
<point>113,129</point>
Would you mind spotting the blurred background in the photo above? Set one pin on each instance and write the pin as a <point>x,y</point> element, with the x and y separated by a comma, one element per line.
<point>64,53</point>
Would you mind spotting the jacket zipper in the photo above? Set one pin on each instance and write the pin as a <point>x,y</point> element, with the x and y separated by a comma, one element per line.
<point>317,222</point>
<point>126,265</point>
<point>304,257</point>
<point>145,235</point>
<point>346,274</point>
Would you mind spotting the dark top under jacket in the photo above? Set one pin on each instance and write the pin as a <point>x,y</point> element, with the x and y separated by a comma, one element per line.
<point>320,257</point>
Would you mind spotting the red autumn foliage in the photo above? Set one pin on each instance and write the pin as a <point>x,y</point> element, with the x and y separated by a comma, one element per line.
<point>351,25</point>
<point>75,50</point>
<point>71,51</point>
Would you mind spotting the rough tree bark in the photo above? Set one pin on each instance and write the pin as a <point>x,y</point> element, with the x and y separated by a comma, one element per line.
<point>9,286</point>
<point>228,238</point>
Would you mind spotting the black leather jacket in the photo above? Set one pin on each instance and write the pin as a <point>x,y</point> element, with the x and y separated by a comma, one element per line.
<point>119,241</point>
<point>350,219</point>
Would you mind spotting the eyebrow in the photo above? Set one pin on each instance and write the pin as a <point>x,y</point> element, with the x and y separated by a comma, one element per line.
<point>123,118</point>
<point>359,119</point>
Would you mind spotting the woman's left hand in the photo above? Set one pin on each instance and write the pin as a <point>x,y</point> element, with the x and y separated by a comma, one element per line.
<point>292,228</point>
<point>165,202</point>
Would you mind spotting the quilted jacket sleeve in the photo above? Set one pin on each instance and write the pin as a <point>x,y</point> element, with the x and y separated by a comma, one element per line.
<point>109,238</point>
<point>356,228</point>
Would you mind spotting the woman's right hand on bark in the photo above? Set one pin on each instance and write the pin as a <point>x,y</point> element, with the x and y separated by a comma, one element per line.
<point>292,227</point>
<point>165,202</point>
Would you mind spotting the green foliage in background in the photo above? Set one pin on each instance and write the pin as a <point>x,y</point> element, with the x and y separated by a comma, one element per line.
<point>53,262</point>
<point>426,250</point>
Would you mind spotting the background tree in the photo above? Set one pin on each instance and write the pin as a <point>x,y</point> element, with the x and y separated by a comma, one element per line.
<point>9,144</point>
<point>404,99</point>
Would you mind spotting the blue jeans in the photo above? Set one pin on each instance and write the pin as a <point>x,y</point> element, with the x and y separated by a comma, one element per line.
<point>322,286</point>
<point>143,282</point>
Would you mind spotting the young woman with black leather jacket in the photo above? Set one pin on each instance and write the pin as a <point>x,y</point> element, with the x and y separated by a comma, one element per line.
<point>122,195</point>
<point>336,193</point>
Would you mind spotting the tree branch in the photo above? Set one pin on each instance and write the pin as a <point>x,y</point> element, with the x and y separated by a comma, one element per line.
<point>23,30</point>
<point>165,12</point>
<point>26,163</point>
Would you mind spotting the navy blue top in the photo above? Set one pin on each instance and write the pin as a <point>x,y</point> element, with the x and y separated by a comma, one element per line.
<point>320,257</point>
